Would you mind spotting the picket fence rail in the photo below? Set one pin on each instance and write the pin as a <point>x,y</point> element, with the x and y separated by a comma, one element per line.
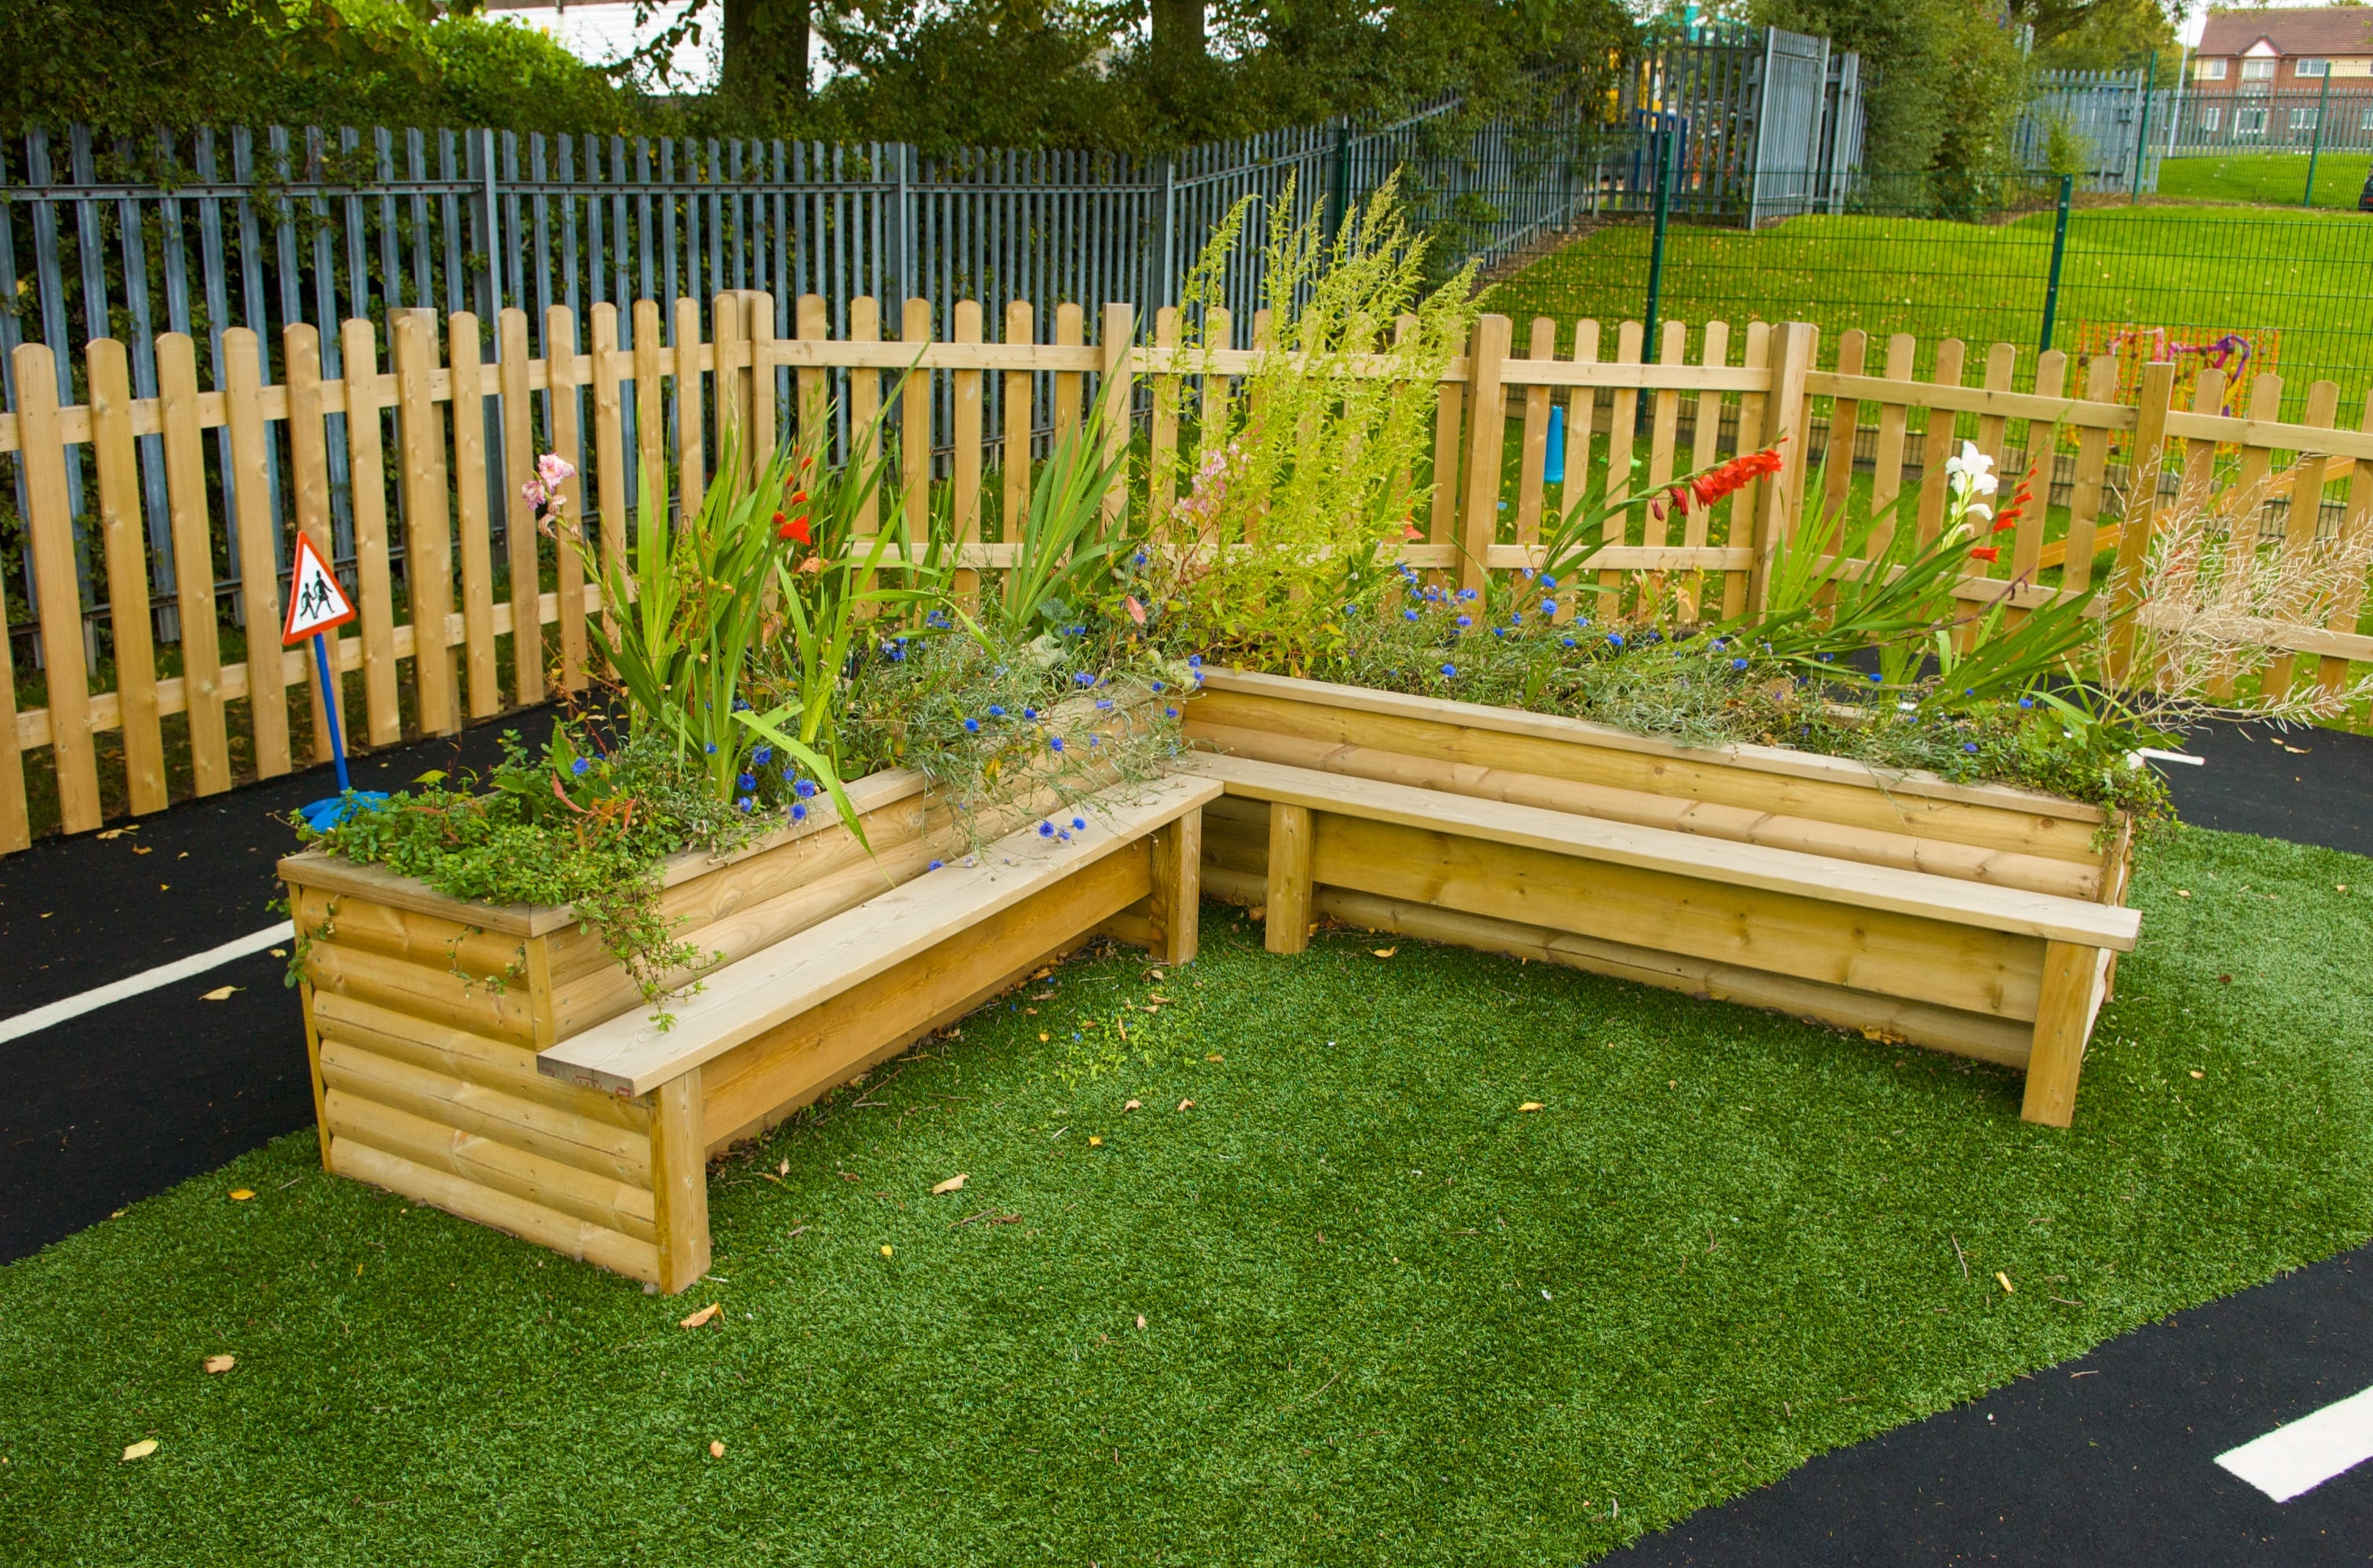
<point>425,429</point>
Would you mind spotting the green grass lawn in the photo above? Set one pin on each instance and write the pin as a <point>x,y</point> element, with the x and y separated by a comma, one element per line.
<point>2274,178</point>
<point>2198,271</point>
<point>1387,1316</point>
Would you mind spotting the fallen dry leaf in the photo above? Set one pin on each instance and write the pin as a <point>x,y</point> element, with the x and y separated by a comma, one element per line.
<point>219,1363</point>
<point>953,1184</point>
<point>1140,1320</point>
<point>1154,974</point>
<point>1133,1105</point>
<point>1042,973</point>
<point>1215,1057</point>
<point>2197,1073</point>
<point>703,1318</point>
<point>140,1450</point>
<point>1532,1106</point>
<point>1185,1104</point>
<point>783,1169</point>
<point>220,993</point>
<point>279,953</point>
<point>1257,912</point>
<point>1094,1141</point>
<point>845,1176</point>
<point>142,849</point>
<point>1386,951</point>
<point>2183,893</point>
<point>241,1194</point>
<point>2008,1289</point>
<point>716,1449</point>
<point>885,1249</point>
<point>119,832</point>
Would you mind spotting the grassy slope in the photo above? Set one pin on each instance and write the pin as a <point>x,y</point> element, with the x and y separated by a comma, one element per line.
<point>2276,178</point>
<point>1388,1317</point>
<point>2199,271</point>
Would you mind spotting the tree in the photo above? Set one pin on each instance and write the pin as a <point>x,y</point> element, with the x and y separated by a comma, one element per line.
<point>764,71</point>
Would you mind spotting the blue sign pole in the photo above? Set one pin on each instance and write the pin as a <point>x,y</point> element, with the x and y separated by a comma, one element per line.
<point>330,707</point>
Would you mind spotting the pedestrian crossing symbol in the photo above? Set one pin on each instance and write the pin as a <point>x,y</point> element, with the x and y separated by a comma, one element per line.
<point>316,603</point>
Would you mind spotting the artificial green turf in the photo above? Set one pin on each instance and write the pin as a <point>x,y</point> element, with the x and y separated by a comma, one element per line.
<point>1388,1316</point>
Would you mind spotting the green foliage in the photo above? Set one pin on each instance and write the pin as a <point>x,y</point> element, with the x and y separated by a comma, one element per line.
<point>1302,476</point>
<point>186,63</point>
<point>1071,550</point>
<point>577,825</point>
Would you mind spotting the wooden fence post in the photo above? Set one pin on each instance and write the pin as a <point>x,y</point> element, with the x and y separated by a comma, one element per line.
<point>1119,393</point>
<point>1783,497</point>
<point>127,573</point>
<point>1486,434</point>
<point>477,550</point>
<point>41,457</point>
<point>915,424</point>
<point>691,458</point>
<point>964,459</point>
<point>428,524</point>
<point>518,533</point>
<point>259,541</point>
<point>308,494</point>
<point>194,543</point>
<point>560,373</point>
<point>2142,508</point>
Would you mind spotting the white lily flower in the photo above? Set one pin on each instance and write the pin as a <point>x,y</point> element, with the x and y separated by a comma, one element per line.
<point>1971,471</point>
<point>1979,512</point>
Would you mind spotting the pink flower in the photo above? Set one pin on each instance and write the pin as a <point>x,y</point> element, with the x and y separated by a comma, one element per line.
<point>553,469</point>
<point>534,495</point>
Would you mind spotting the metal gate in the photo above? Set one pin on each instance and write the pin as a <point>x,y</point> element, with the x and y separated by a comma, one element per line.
<point>1790,164</point>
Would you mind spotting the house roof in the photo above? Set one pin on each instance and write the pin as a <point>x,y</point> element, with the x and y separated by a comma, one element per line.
<point>2322,30</point>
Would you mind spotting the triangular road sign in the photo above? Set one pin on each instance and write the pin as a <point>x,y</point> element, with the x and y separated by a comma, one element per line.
<point>316,603</point>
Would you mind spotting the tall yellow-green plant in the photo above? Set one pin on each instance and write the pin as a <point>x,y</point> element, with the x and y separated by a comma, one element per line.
<point>1305,474</point>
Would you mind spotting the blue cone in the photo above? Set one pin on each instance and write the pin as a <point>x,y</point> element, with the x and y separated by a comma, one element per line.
<point>1554,473</point>
<point>323,815</point>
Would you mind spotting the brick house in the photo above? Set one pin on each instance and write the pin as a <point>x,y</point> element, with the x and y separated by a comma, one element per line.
<point>2258,75</point>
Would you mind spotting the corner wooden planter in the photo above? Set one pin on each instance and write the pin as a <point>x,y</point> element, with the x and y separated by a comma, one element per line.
<point>425,1016</point>
<point>1997,985</point>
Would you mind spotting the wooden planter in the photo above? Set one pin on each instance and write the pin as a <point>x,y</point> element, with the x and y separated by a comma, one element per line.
<point>1978,992</point>
<point>424,1016</point>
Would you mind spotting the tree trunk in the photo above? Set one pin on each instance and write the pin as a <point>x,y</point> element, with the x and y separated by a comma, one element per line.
<point>1179,42</point>
<point>766,66</point>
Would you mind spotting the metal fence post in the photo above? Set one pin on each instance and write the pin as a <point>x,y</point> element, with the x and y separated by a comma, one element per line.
<point>2059,251</point>
<point>2315,148</point>
<point>1656,238</point>
<point>1167,293</point>
<point>1338,194</point>
<point>2142,132</point>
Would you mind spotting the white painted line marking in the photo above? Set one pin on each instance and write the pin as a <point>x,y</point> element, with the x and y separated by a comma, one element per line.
<point>2157,756</point>
<point>146,981</point>
<point>2309,1451</point>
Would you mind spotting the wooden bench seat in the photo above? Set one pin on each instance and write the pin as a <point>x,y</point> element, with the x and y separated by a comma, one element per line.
<point>771,1032</point>
<point>2008,974</point>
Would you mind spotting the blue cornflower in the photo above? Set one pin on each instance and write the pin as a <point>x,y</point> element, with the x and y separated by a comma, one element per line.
<point>1054,743</point>
<point>1567,642</point>
<point>995,712</point>
<point>1084,679</point>
<point>1102,703</point>
<point>1080,824</point>
<point>746,783</point>
<point>805,789</point>
<point>1095,740</point>
<point>1499,631</point>
<point>1158,686</point>
<point>1873,677</point>
<point>1030,713</point>
<point>740,705</point>
<point>789,773</point>
<point>1465,594</point>
<point>972,726</point>
<point>763,755</point>
<point>935,865</point>
<point>1045,830</point>
<point>2026,702</point>
<point>1408,614</point>
<point>1738,663</point>
<point>1548,606</point>
<point>712,748</point>
<point>897,653</point>
<point>799,810</point>
<point>1548,581</point>
<point>581,766</point>
<point>1170,713</point>
<point>1138,559</point>
<point>1450,669</point>
<point>1970,746</point>
<point>1465,622</point>
<point>1825,657</point>
<point>1614,639</point>
<point>746,801</point>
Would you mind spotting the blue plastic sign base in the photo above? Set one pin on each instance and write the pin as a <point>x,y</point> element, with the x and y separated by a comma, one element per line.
<point>323,815</point>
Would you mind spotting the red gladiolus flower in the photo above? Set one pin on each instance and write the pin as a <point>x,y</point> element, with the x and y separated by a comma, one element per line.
<point>1985,552</point>
<point>796,529</point>
<point>1735,476</point>
<point>798,496</point>
<point>2008,521</point>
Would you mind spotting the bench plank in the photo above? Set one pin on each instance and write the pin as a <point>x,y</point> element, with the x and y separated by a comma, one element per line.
<point>632,1056</point>
<point>1750,865</point>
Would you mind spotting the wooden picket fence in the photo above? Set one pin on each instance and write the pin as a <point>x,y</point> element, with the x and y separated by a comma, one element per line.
<point>419,432</point>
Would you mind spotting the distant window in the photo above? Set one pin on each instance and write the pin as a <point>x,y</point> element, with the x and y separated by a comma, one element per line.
<point>2248,122</point>
<point>2257,70</point>
<point>2216,112</point>
<point>2310,67</point>
<point>2364,121</point>
<point>2212,70</point>
<point>2302,118</point>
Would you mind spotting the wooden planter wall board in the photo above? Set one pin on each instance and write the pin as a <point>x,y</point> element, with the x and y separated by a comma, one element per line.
<point>1977,919</point>
<point>458,1053</point>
